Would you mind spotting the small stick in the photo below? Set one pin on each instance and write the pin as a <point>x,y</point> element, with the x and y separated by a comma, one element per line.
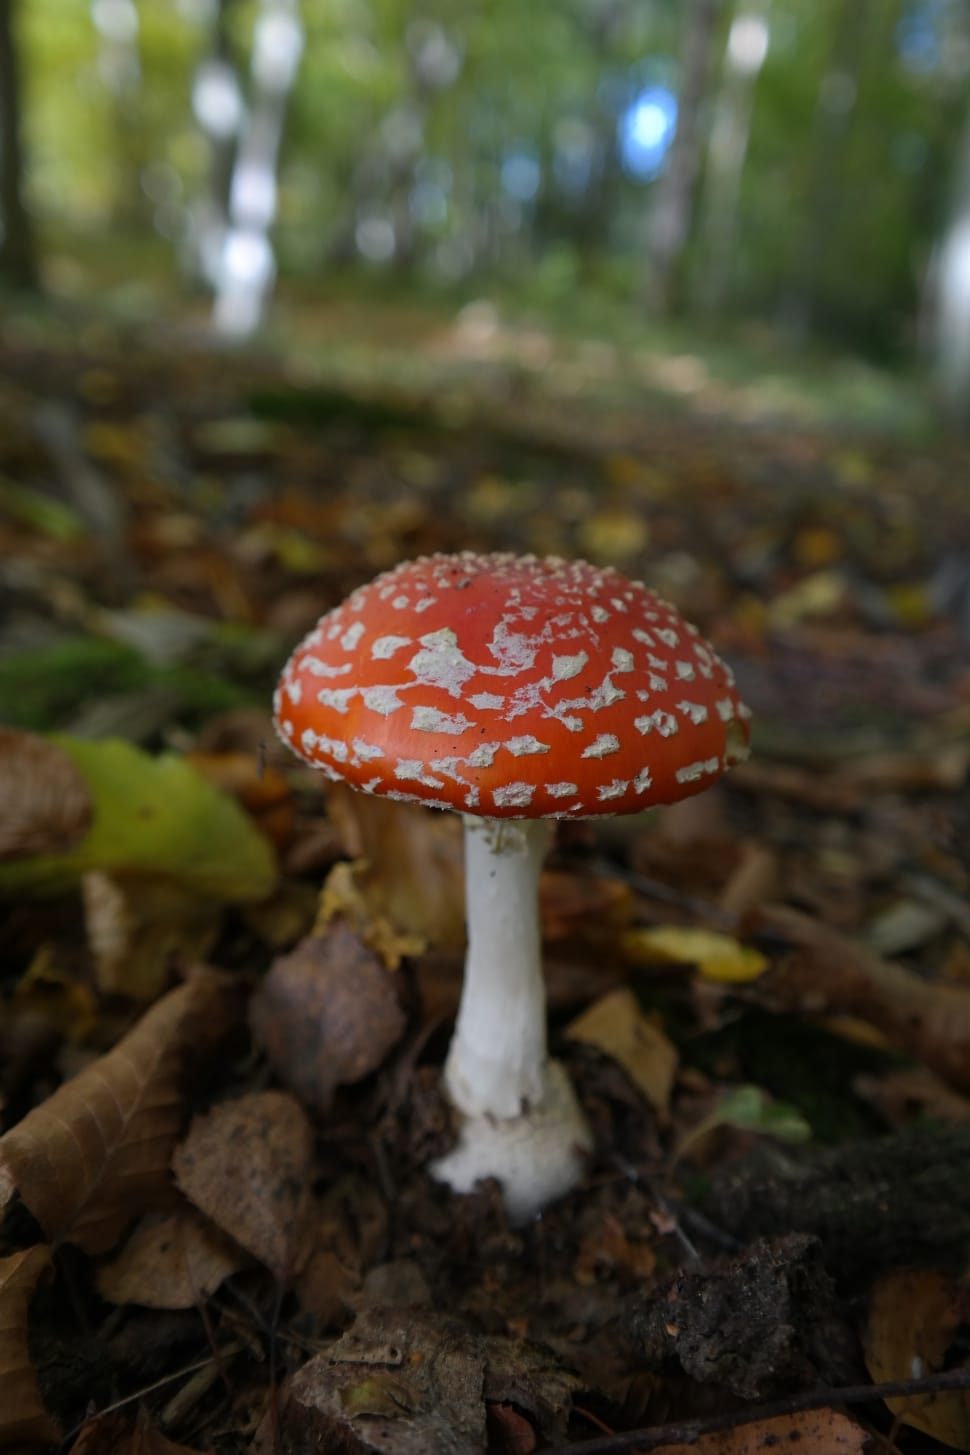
<point>652,1437</point>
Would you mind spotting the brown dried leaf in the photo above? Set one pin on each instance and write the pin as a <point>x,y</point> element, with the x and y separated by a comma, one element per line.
<point>96,1153</point>
<point>23,1419</point>
<point>172,1262</point>
<point>414,874</point>
<point>139,927</point>
<point>582,906</point>
<point>825,971</point>
<point>327,1014</point>
<point>247,1164</point>
<point>115,1434</point>
<point>914,1316</point>
<point>45,806</point>
<point>811,1432</point>
<point>616,1025</point>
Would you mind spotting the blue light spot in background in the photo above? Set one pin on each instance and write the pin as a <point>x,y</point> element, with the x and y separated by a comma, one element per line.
<point>521,175</point>
<point>646,130</point>
<point>918,35</point>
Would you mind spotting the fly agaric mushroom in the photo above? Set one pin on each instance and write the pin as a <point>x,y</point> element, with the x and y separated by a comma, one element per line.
<point>516,691</point>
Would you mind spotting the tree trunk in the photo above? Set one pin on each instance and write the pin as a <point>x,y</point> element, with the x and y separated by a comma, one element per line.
<point>834,108</point>
<point>671,216</point>
<point>727,150</point>
<point>18,262</point>
<point>950,293</point>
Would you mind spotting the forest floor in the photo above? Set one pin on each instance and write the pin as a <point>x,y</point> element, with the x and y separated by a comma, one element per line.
<point>220,1233</point>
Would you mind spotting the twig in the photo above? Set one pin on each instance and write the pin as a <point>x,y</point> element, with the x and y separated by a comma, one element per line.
<point>218,1359</point>
<point>652,1437</point>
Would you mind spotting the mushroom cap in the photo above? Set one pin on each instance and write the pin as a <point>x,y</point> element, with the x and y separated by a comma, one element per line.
<point>512,687</point>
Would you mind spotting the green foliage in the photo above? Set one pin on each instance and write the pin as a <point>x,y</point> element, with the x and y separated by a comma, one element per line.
<point>46,687</point>
<point>879,176</point>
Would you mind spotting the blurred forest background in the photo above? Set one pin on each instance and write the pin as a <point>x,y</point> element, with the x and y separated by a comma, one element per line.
<point>761,178</point>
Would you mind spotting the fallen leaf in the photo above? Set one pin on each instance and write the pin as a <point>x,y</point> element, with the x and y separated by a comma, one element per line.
<point>413,866</point>
<point>753,879</point>
<point>912,1092</point>
<point>247,1164</point>
<point>138,928</point>
<point>510,1431</point>
<point>915,1315</point>
<point>24,1421</point>
<point>151,816</point>
<point>582,906</point>
<point>46,806</point>
<point>116,1434</point>
<point>96,1153</point>
<point>344,897</point>
<point>327,1014</point>
<point>408,1381</point>
<point>261,789</point>
<point>616,1025</point>
<point>171,1262</point>
<point>717,957</point>
<point>811,1432</point>
<point>749,1109</point>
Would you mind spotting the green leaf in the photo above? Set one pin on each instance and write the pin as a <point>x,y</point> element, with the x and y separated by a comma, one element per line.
<point>751,1110</point>
<point>153,816</point>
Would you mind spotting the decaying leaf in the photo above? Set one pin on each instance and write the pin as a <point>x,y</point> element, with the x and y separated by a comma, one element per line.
<point>616,1025</point>
<point>914,1318</point>
<point>811,1432</point>
<point>414,869</point>
<point>171,1262</point>
<point>344,897</point>
<point>139,927</point>
<point>151,816</point>
<point>718,957</point>
<point>327,1014</point>
<point>247,1164</point>
<point>411,1381</point>
<point>96,1153</point>
<point>45,806</point>
<point>24,1421</point>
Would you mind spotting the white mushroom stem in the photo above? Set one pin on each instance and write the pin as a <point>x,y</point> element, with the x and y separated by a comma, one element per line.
<point>520,1121</point>
<point>498,1052</point>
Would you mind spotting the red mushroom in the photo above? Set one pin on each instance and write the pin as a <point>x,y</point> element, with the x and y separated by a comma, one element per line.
<point>517,691</point>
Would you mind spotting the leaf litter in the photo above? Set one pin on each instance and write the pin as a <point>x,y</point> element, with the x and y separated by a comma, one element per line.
<point>247,1248</point>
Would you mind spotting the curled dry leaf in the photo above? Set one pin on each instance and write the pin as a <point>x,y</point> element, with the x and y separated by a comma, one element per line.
<point>915,1315</point>
<point>825,971</point>
<point>327,1014</point>
<point>45,806</point>
<point>96,1153</point>
<point>172,1262</point>
<point>616,1025</point>
<point>414,875</point>
<point>247,1164</point>
<point>24,1421</point>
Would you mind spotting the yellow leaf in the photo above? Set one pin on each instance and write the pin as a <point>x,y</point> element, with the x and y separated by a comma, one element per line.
<point>914,1317</point>
<point>718,957</point>
<point>345,896</point>
<point>616,1025</point>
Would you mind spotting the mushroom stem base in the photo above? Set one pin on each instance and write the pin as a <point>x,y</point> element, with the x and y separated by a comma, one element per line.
<point>537,1156</point>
